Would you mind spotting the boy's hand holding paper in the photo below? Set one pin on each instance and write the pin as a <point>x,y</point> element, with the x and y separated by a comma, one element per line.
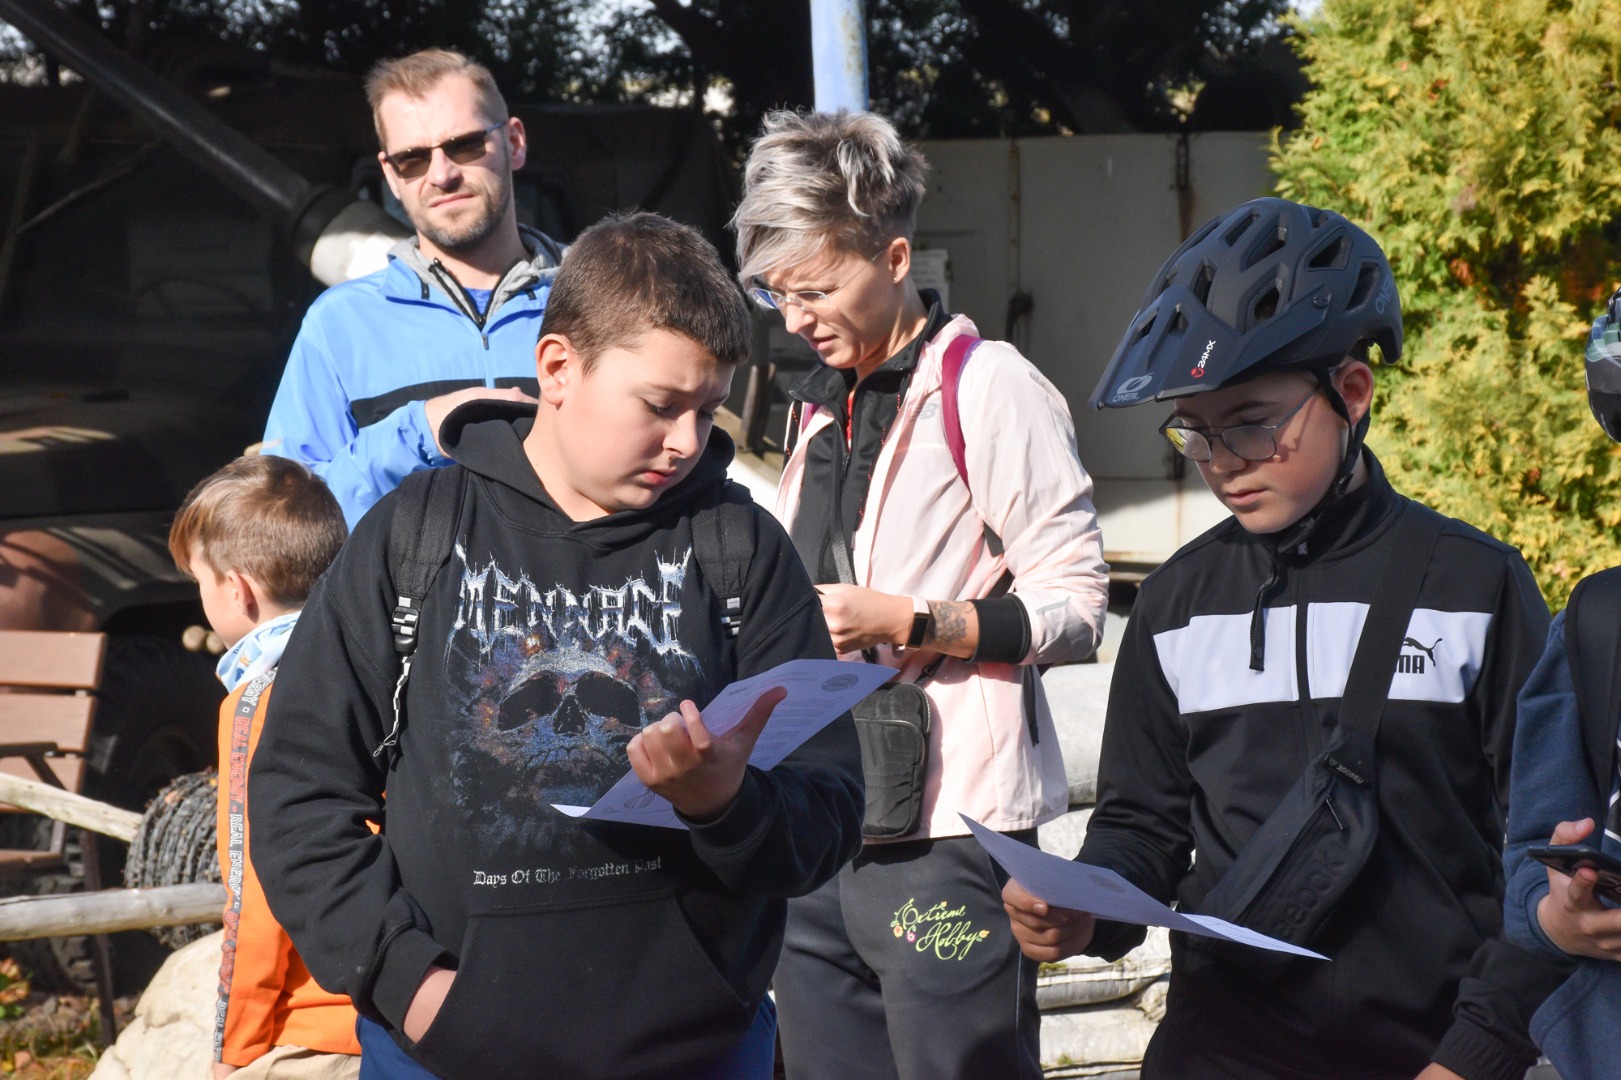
<point>698,771</point>
<point>696,761</point>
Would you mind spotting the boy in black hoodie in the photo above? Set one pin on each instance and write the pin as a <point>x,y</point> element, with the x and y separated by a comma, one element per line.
<point>564,643</point>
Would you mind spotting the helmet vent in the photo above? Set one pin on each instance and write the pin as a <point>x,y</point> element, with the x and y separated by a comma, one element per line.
<point>1266,304</point>
<point>1240,227</point>
<point>1367,280</point>
<point>1269,243</point>
<point>1179,325</point>
<point>1332,255</point>
<point>1200,287</point>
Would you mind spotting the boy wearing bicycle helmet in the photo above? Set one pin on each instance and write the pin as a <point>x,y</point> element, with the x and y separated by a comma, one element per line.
<point>1229,683</point>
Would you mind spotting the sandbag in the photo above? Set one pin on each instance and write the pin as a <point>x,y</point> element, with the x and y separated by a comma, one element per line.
<point>1094,1042</point>
<point>1078,695</point>
<point>1086,980</point>
<point>1062,836</point>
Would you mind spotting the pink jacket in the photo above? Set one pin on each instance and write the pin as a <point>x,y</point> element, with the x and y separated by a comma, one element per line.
<point>921,535</point>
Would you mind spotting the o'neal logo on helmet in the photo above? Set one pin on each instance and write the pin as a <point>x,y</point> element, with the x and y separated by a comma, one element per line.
<point>1387,295</point>
<point>1204,358</point>
<point>1132,388</point>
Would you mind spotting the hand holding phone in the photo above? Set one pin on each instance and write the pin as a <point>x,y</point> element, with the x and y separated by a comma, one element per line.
<point>1568,858</point>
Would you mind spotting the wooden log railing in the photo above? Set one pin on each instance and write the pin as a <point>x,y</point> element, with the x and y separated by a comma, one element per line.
<point>78,810</point>
<point>104,911</point>
<point>109,910</point>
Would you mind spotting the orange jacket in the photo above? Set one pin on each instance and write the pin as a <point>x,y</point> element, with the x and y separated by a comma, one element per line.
<point>267,997</point>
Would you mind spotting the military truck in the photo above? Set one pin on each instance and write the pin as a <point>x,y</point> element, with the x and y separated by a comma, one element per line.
<point>162,221</point>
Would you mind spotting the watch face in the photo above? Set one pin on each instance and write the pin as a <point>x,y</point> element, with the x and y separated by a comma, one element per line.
<point>920,628</point>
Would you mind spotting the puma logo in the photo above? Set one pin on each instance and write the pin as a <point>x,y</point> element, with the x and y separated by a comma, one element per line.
<point>1415,665</point>
<point>1427,650</point>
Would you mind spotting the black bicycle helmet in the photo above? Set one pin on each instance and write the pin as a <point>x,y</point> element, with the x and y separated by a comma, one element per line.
<point>1604,369</point>
<point>1269,286</point>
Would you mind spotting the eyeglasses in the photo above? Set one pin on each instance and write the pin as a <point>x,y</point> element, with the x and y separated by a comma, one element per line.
<point>776,301</point>
<point>463,150</point>
<point>1251,442</point>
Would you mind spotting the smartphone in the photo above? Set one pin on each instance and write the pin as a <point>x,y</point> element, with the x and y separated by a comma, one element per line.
<point>1568,858</point>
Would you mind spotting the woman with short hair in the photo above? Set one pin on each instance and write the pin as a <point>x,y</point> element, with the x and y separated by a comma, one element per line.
<point>954,540</point>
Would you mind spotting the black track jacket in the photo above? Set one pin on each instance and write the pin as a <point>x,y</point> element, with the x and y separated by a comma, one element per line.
<point>582,949</point>
<point>1198,749</point>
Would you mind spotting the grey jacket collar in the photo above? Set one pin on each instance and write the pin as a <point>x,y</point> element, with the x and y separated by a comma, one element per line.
<point>545,255</point>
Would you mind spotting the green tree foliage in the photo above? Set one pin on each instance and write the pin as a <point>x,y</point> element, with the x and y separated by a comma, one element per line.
<point>941,68</point>
<point>956,68</point>
<point>538,50</point>
<point>1476,139</point>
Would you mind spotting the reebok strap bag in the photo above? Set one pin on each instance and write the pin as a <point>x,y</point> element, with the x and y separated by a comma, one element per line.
<point>1289,877</point>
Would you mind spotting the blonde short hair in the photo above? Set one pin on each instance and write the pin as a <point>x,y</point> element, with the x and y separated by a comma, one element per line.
<point>267,517</point>
<point>416,75</point>
<point>817,180</point>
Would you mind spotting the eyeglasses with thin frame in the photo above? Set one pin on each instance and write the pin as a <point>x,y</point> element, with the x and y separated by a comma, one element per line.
<point>1251,442</point>
<point>804,298</point>
<point>463,150</point>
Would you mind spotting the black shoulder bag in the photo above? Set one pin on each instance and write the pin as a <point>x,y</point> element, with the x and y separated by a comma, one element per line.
<point>1294,869</point>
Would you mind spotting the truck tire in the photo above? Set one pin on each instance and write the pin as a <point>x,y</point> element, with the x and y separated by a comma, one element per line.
<point>156,719</point>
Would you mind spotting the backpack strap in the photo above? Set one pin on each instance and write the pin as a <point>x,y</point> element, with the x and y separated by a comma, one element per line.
<point>957,353</point>
<point>1410,546</point>
<point>1592,645</point>
<point>723,542</point>
<point>797,414</point>
<point>427,510</point>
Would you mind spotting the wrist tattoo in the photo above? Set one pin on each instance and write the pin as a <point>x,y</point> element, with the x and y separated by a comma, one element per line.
<point>950,622</point>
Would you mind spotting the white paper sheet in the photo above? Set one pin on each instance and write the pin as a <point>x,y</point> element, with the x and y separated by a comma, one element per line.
<point>819,692</point>
<point>1069,884</point>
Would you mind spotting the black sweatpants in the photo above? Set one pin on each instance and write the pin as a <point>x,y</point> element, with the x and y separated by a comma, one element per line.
<point>904,968</point>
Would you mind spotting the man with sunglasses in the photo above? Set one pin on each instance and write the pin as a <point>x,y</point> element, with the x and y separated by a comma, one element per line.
<point>1233,672</point>
<point>381,360</point>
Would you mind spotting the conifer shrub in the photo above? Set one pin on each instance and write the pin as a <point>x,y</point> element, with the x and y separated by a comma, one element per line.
<point>1478,141</point>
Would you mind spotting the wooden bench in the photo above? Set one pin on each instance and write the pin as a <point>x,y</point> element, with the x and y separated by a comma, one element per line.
<point>48,681</point>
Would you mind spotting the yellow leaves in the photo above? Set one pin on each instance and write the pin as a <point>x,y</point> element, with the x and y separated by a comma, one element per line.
<point>1473,140</point>
<point>1556,40</point>
<point>1572,163</point>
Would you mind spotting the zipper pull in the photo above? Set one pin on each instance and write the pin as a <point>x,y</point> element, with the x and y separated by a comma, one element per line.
<point>486,339</point>
<point>1330,804</point>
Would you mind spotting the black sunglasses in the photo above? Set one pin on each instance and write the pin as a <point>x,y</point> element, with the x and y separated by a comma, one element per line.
<point>463,150</point>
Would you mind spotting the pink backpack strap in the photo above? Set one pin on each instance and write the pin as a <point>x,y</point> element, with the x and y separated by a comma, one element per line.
<point>957,353</point>
<point>799,414</point>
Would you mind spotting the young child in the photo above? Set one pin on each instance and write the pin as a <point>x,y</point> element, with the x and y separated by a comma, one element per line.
<point>1557,798</point>
<point>256,535</point>
<point>484,933</point>
<point>1229,682</point>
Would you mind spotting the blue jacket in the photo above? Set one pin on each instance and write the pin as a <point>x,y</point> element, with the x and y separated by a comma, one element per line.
<point>1576,1026</point>
<point>370,351</point>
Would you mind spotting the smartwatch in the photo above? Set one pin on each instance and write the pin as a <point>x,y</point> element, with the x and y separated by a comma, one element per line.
<point>922,623</point>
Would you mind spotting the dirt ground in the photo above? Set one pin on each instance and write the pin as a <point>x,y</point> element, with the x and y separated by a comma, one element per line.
<point>52,1036</point>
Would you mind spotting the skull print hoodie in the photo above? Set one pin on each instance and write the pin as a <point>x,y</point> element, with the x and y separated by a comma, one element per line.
<point>581,949</point>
